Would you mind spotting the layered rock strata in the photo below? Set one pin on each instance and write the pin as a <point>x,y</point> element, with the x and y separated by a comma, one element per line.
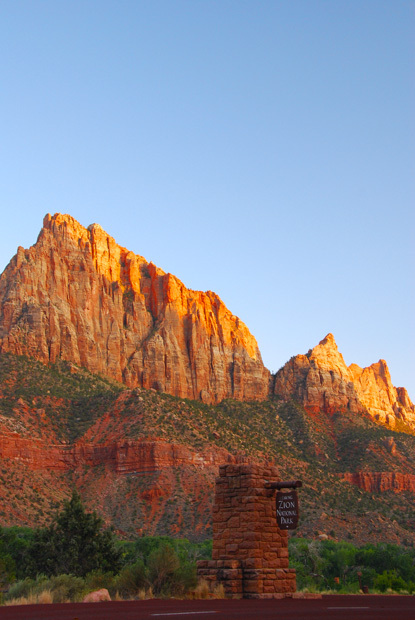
<point>380,482</point>
<point>321,381</point>
<point>123,457</point>
<point>76,295</point>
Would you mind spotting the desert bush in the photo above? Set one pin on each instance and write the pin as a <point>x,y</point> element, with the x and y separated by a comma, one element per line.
<point>185,579</point>
<point>144,595</point>
<point>58,589</point>
<point>336,565</point>
<point>165,573</point>
<point>202,590</point>
<point>96,580</point>
<point>131,579</point>
<point>66,588</point>
<point>389,580</point>
<point>7,570</point>
<point>22,589</point>
<point>45,597</point>
<point>219,591</point>
<point>162,564</point>
<point>31,599</point>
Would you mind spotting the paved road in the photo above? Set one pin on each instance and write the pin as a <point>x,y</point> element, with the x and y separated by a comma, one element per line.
<point>329,607</point>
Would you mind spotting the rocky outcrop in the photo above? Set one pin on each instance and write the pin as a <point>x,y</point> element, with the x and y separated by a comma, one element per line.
<point>78,296</point>
<point>321,381</point>
<point>379,482</point>
<point>382,400</point>
<point>122,457</point>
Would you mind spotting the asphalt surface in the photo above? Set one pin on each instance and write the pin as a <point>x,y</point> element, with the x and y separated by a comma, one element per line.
<point>334,607</point>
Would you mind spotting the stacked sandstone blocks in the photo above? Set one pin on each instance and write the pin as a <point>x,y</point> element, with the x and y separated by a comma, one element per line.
<point>250,552</point>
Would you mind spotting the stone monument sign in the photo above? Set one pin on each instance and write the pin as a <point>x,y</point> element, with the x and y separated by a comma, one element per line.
<point>250,551</point>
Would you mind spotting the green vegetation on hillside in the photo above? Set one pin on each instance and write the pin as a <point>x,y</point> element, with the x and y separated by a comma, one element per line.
<point>60,398</point>
<point>61,404</point>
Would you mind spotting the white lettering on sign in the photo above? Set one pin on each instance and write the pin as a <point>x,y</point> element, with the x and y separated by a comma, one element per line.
<point>287,510</point>
<point>283,504</point>
<point>285,521</point>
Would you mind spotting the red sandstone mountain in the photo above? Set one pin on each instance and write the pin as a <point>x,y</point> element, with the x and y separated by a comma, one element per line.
<point>145,458</point>
<point>76,295</point>
<point>321,381</point>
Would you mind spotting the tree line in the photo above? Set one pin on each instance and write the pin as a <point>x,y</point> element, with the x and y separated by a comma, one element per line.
<point>323,565</point>
<point>76,554</point>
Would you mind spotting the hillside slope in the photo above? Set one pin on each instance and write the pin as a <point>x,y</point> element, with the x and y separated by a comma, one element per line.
<point>147,461</point>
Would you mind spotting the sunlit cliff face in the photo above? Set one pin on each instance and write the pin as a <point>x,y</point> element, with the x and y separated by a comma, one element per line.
<point>321,381</point>
<point>77,295</point>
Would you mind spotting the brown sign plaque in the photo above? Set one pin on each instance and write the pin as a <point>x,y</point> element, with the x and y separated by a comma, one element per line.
<point>287,510</point>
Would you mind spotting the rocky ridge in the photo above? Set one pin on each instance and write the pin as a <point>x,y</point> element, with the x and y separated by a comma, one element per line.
<point>321,381</point>
<point>380,482</point>
<point>77,295</point>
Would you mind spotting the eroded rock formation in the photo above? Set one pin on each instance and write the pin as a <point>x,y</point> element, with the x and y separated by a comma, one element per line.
<point>123,457</point>
<point>321,381</point>
<point>76,295</point>
<point>380,482</point>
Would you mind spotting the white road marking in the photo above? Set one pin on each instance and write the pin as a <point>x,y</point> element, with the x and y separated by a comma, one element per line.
<point>348,607</point>
<point>185,613</point>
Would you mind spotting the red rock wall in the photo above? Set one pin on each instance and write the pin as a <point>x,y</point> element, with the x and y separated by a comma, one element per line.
<point>124,457</point>
<point>76,295</point>
<point>379,482</point>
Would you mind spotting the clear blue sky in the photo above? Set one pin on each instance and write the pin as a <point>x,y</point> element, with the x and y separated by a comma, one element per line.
<point>260,149</point>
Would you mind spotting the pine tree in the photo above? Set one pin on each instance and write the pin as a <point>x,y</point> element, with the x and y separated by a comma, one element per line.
<point>74,543</point>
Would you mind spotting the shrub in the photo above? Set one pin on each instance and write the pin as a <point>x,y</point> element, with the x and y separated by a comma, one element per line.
<point>167,574</point>
<point>389,580</point>
<point>21,589</point>
<point>97,580</point>
<point>219,591</point>
<point>131,579</point>
<point>7,570</point>
<point>202,590</point>
<point>45,597</point>
<point>66,588</point>
<point>163,565</point>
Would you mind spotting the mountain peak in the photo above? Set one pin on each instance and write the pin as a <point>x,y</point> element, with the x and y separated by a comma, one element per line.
<point>77,295</point>
<point>321,381</point>
<point>329,341</point>
<point>327,355</point>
